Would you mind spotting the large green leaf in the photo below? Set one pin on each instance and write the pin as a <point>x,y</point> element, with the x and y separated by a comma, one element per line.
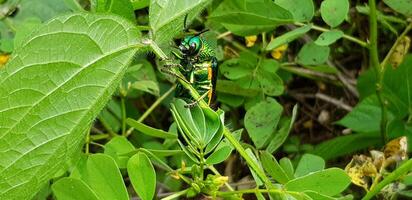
<point>261,121</point>
<point>142,175</point>
<point>166,17</point>
<point>104,178</point>
<point>52,89</point>
<point>249,17</point>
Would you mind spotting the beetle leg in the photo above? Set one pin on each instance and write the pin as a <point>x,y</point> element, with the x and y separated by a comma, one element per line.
<point>192,104</point>
<point>172,73</point>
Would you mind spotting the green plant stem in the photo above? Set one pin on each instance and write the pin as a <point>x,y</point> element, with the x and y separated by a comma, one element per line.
<point>176,195</point>
<point>123,107</point>
<point>380,69</point>
<point>345,36</point>
<point>107,127</point>
<point>99,137</point>
<point>393,48</point>
<point>395,175</point>
<point>252,164</point>
<point>151,108</point>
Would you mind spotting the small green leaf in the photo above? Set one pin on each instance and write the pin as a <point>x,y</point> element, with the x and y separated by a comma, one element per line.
<point>272,167</point>
<point>302,10</point>
<point>141,77</point>
<point>327,182</point>
<point>329,37</point>
<point>72,189</point>
<point>119,7</point>
<point>334,12</point>
<point>142,175</point>
<point>312,54</point>
<point>288,37</point>
<point>287,166</point>
<point>219,155</point>
<point>150,87</point>
<point>261,121</point>
<point>250,73</point>
<point>200,125</point>
<point>282,134</point>
<point>309,163</point>
<point>250,17</point>
<point>401,6</point>
<point>147,130</point>
<point>117,148</point>
<point>259,182</point>
<point>104,177</point>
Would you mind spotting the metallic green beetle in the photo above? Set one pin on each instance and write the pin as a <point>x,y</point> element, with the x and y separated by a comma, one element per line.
<point>198,65</point>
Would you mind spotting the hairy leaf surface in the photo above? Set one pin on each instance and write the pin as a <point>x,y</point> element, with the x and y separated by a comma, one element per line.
<point>52,89</point>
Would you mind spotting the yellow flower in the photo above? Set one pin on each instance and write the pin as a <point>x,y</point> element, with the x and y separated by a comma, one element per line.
<point>250,40</point>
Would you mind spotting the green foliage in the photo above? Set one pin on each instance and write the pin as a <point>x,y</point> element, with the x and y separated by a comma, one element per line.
<point>72,189</point>
<point>334,12</point>
<point>404,7</point>
<point>329,37</point>
<point>150,131</point>
<point>104,178</point>
<point>288,37</point>
<point>123,8</point>
<point>262,120</point>
<point>328,182</point>
<point>302,13</point>
<point>249,17</point>
<point>56,116</point>
<point>313,54</point>
<point>76,97</point>
<point>142,175</point>
<point>166,17</point>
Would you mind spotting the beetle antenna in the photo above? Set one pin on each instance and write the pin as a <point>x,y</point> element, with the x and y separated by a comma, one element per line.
<point>201,32</point>
<point>185,24</point>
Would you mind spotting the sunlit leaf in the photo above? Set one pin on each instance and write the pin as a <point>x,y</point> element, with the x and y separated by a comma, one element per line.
<point>45,116</point>
<point>142,175</point>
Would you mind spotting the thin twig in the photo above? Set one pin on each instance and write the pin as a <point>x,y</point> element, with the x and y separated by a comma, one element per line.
<point>336,102</point>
